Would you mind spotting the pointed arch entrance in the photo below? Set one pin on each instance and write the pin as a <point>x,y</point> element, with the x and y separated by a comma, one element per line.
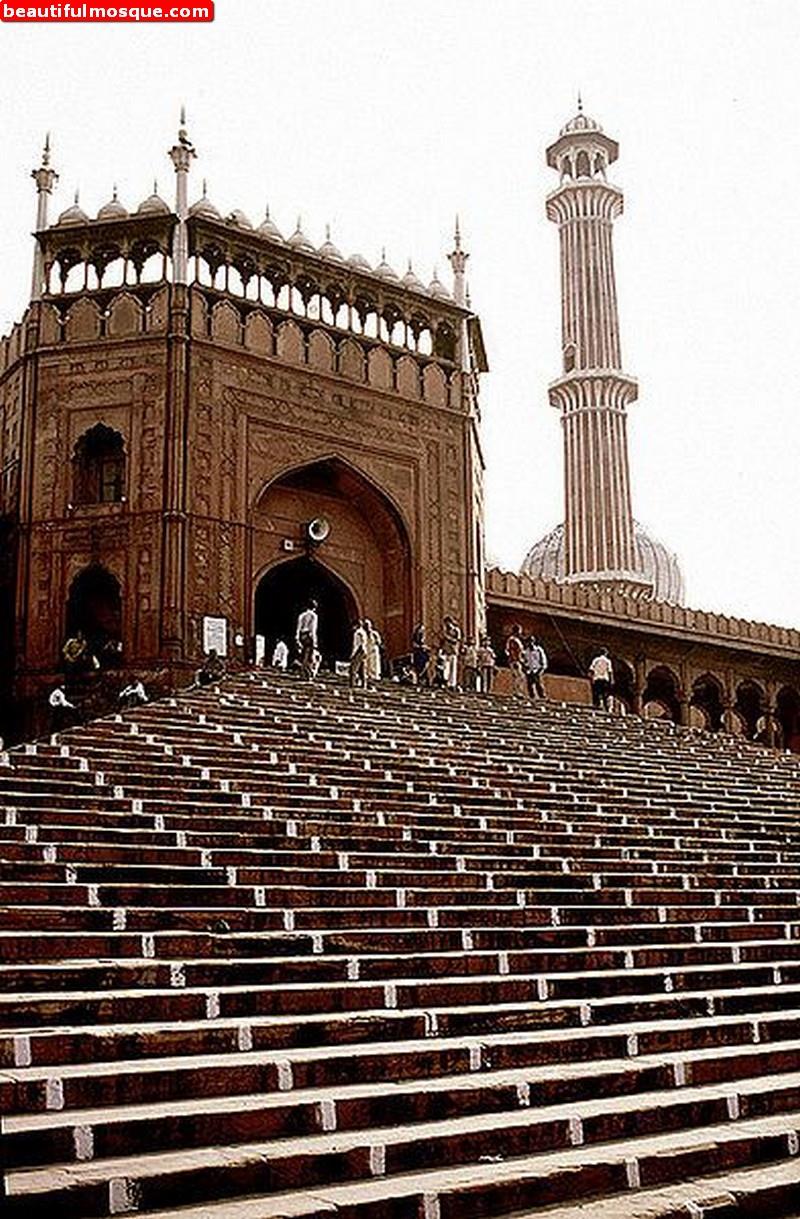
<point>285,590</point>
<point>362,566</point>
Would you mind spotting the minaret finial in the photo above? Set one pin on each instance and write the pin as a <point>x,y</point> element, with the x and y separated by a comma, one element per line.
<point>458,233</point>
<point>183,115</point>
<point>46,151</point>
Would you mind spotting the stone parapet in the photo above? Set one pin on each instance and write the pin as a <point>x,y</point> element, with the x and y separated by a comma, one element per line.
<point>581,602</point>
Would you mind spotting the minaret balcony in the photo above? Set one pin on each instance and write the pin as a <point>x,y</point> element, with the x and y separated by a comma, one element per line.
<point>593,389</point>
<point>584,199</point>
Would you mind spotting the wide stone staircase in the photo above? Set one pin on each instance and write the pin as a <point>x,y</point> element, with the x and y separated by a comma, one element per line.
<point>276,949</point>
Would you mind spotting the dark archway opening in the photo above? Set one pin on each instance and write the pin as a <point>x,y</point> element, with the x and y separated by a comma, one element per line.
<point>661,698</point>
<point>749,706</point>
<point>99,467</point>
<point>787,710</point>
<point>94,608</point>
<point>284,591</point>
<point>707,698</point>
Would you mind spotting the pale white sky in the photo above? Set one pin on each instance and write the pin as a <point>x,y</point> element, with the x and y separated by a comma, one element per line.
<point>384,119</point>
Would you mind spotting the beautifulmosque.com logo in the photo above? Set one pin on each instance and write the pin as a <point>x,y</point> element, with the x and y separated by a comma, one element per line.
<point>108,12</point>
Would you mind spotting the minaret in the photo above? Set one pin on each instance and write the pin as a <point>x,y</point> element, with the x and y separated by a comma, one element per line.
<point>593,393</point>
<point>458,261</point>
<point>181,155</point>
<point>45,179</point>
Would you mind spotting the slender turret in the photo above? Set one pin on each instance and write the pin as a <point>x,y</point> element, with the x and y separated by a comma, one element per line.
<point>181,155</point>
<point>45,178</point>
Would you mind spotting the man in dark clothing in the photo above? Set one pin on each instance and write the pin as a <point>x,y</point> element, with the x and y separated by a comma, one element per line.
<point>213,669</point>
<point>534,662</point>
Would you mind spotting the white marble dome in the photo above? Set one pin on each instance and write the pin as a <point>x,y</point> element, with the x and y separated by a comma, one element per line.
<point>657,565</point>
<point>581,122</point>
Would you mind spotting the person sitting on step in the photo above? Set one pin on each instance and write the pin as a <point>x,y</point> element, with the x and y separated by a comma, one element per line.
<point>212,670</point>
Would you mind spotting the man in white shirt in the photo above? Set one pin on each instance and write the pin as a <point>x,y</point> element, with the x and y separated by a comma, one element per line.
<point>449,650</point>
<point>280,656</point>
<point>307,627</point>
<point>601,673</point>
<point>358,656</point>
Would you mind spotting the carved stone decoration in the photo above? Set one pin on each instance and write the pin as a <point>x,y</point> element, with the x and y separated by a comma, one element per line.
<point>408,381</point>
<point>125,316</point>
<point>225,324</point>
<point>49,326</point>
<point>198,315</point>
<point>83,322</point>
<point>435,386</point>
<point>289,343</point>
<point>258,333</point>
<point>380,369</point>
<point>351,360</point>
<point>321,352</point>
<point>157,311</point>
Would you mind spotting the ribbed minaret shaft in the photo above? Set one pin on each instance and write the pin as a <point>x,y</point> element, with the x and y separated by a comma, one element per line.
<point>593,393</point>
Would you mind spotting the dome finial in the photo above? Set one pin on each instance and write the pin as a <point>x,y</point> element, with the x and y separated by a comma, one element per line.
<point>580,103</point>
<point>327,232</point>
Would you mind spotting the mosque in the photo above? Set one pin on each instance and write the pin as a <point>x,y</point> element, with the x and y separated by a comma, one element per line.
<point>204,421</point>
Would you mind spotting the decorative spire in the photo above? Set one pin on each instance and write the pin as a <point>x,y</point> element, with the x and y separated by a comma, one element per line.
<point>181,154</point>
<point>45,178</point>
<point>580,103</point>
<point>458,261</point>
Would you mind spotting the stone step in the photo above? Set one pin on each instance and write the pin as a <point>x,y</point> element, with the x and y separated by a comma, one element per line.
<point>559,1173</point>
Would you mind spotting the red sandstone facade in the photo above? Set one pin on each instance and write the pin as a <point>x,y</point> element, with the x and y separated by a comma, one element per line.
<point>251,385</point>
<point>185,393</point>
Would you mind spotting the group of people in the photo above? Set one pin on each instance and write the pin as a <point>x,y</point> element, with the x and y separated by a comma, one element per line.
<point>453,662</point>
<point>83,655</point>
